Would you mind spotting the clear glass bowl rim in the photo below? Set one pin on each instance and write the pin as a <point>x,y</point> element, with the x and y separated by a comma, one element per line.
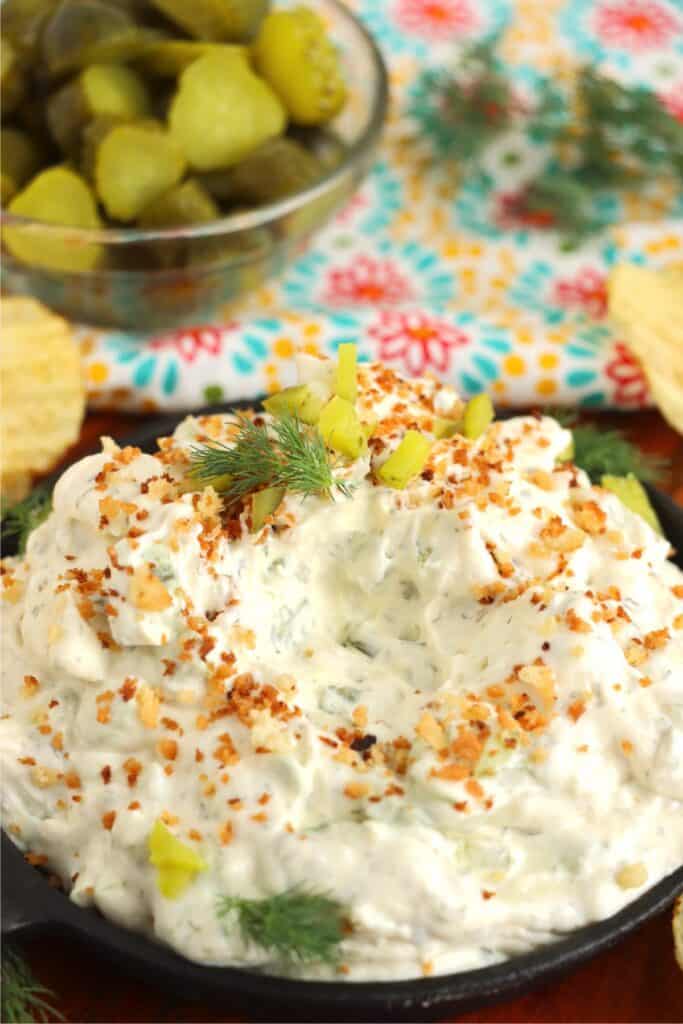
<point>261,216</point>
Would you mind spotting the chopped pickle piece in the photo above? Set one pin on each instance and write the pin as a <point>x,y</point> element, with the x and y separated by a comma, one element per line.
<point>633,495</point>
<point>300,400</point>
<point>341,428</point>
<point>176,863</point>
<point>222,111</point>
<point>568,454</point>
<point>215,19</point>
<point>169,57</point>
<point>477,417</point>
<point>20,158</point>
<point>120,47</point>
<point>22,22</point>
<point>101,90</point>
<point>446,428</point>
<point>75,26</point>
<point>92,135</point>
<point>135,164</point>
<point>345,384</point>
<point>187,203</point>
<point>55,196</point>
<point>293,53</point>
<point>278,168</point>
<point>12,82</point>
<point>264,504</point>
<point>407,461</point>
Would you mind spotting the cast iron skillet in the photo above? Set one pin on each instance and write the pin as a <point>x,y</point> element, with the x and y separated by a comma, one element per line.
<point>31,907</point>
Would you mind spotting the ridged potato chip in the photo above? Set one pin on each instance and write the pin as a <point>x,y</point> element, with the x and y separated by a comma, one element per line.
<point>43,393</point>
<point>647,305</point>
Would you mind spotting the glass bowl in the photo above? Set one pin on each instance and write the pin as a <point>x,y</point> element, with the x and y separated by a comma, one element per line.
<point>148,279</point>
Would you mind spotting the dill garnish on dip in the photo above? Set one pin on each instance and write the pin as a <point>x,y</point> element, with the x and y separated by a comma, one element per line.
<point>363,684</point>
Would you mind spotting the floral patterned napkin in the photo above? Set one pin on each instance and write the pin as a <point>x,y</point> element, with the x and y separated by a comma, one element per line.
<point>423,268</point>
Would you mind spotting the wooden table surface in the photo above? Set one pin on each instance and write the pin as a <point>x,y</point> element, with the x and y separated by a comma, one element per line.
<point>636,982</point>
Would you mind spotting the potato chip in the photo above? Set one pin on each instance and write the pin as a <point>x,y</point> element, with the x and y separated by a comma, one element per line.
<point>43,393</point>
<point>678,930</point>
<point>647,305</point>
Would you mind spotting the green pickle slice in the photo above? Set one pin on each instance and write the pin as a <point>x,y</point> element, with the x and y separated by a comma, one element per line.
<point>12,81</point>
<point>295,55</point>
<point>478,416</point>
<point>77,25</point>
<point>170,57</point>
<point>299,400</point>
<point>264,504</point>
<point>183,204</point>
<point>223,111</point>
<point>213,20</point>
<point>341,428</point>
<point>55,196</point>
<point>633,495</point>
<point>100,90</point>
<point>407,461</point>
<point>20,158</point>
<point>276,169</point>
<point>135,164</point>
<point>345,384</point>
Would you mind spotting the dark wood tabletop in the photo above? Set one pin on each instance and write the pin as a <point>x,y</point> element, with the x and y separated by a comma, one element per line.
<point>638,981</point>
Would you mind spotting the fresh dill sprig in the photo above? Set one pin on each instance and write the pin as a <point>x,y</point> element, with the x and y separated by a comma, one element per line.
<point>21,519</point>
<point>23,998</point>
<point>599,452</point>
<point>295,925</point>
<point>286,454</point>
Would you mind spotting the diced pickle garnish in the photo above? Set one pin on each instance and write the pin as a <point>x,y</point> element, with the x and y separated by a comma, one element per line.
<point>299,400</point>
<point>183,204</point>
<point>222,111</point>
<point>236,20</point>
<point>264,504</point>
<point>101,90</point>
<point>12,81</point>
<point>169,57</point>
<point>294,53</point>
<point>477,417</point>
<point>55,196</point>
<point>176,863</point>
<point>633,495</point>
<point>276,169</point>
<point>135,164</point>
<point>446,428</point>
<point>567,454</point>
<point>20,158</point>
<point>345,384</point>
<point>341,428</point>
<point>77,25</point>
<point>407,461</point>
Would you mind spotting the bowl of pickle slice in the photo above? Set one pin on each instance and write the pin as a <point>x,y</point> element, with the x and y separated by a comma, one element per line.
<point>159,159</point>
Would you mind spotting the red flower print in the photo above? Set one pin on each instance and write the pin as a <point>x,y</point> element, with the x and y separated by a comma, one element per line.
<point>587,292</point>
<point>435,19</point>
<point>630,382</point>
<point>673,101</point>
<point>190,341</point>
<point>367,280</point>
<point>419,341</point>
<point>635,24</point>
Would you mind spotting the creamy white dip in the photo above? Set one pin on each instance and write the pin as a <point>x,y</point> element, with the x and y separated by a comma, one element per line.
<point>456,708</point>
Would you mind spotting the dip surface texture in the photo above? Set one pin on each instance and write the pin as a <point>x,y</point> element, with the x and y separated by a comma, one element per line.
<point>456,708</point>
